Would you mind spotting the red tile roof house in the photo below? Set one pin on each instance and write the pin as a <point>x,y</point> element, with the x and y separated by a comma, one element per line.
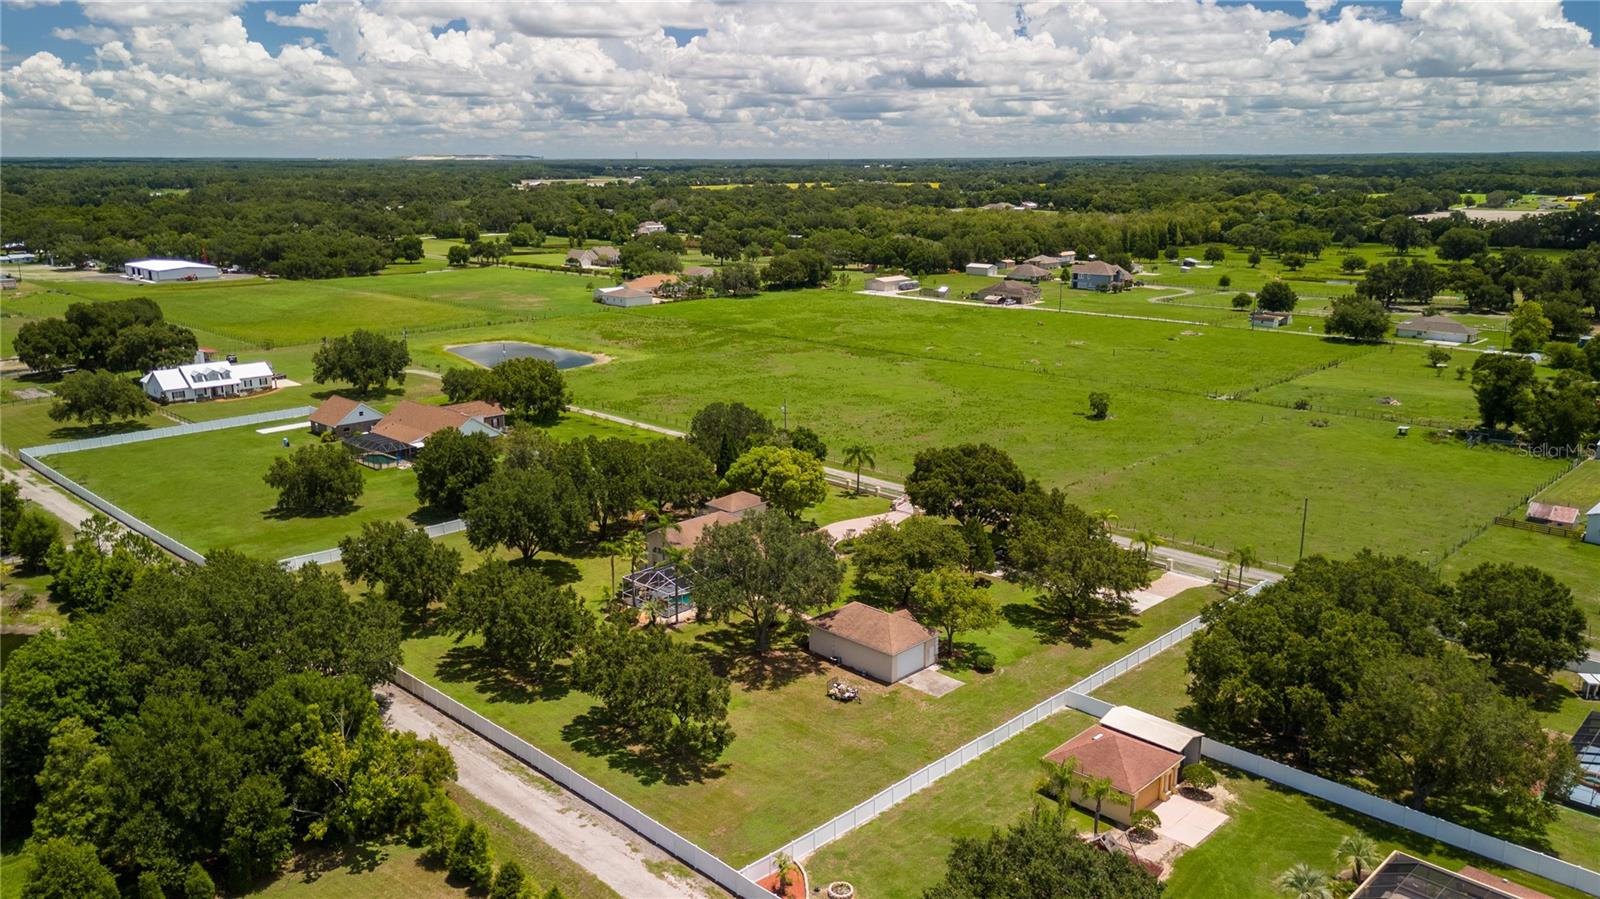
<point>1142,773</point>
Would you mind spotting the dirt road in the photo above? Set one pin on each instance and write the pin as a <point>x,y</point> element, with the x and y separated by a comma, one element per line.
<point>44,493</point>
<point>615,855</point>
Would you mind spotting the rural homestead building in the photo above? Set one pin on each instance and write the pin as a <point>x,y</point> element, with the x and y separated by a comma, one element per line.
<point>344,417</point>
<point>683,536</point>
<point>699,271</point>
<point>1050,263</point>
<point>1591,526</point>
<point>1027,272</point>
<point>594,257</point>
<point>409,425</point>
<point>1402,876</point>
<point>663,285</point>
<point>885,646</point>
<point>983,269</point>
<point>891,283</point>
<point>207,380</point>
<point>1261,318</point>
<point>1008,293</point>
<point>1142,773</point>
<point>624,296</point>
<point>1436,327</point>
<point>649,228</point>
<point>158,271</point>
<point>1099,275</point>
<point>1552,514</point>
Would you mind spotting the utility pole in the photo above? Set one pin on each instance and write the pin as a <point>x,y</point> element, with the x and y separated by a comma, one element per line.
<point>1305,510</point>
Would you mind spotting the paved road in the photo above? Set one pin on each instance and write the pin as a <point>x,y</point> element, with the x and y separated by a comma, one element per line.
<point>48,497</point>
<point>609,851</point>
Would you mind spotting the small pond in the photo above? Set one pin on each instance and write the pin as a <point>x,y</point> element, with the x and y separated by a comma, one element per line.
<point>495,352</point>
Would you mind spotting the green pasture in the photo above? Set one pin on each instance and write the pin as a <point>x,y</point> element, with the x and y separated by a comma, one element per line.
<point>788,732</point>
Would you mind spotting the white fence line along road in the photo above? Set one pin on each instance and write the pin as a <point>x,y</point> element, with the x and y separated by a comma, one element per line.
<point>712,868</point>
<point>329,556</point>
<point>571,826</point>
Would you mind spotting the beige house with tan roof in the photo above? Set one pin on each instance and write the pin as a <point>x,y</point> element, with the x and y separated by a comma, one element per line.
<point>683,536</point>
<point>885,646</point>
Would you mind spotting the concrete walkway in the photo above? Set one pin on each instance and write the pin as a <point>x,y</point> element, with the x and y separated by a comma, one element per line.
<point>576,829</point>
<point>899,511</point>
<point>50,499</point>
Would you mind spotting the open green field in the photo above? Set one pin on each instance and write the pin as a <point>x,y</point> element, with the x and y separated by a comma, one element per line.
<point>798,757</point>
<point>903,852</point>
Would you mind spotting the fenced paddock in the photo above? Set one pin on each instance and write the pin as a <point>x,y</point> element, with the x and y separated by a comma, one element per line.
<point>32,457</point>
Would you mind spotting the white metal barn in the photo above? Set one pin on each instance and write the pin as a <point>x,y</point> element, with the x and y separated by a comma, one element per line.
<point>885,646</point>
<point>156,271</point>
<point>1151,729</point>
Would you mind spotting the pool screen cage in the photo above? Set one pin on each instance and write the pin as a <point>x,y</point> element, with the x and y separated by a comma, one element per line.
<point>659,587</point>
<point>372,451</point>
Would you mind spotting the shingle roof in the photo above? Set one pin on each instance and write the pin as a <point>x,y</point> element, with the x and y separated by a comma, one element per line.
<point>477,409</point>
<point>411,423</point>
<point>698,271</point>
<point>1098,267</point>
<point>650,282</point>
<point>685,534</point>
<point>1128,762</point>
<point>738,501</point>
<point>890,633</point>
<point>1436,323</point>
<point>333,410</point>
<point>1027,271</point>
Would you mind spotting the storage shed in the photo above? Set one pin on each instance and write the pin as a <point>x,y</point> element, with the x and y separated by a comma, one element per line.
<point>983,269</point>
<point>1591,529</point>
<point>891,283</point>
<point>885,646</point>
<point>1159,731</point>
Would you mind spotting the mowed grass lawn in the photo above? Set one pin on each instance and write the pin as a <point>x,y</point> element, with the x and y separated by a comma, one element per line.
<point>903,852</point>
<point>798,758</point>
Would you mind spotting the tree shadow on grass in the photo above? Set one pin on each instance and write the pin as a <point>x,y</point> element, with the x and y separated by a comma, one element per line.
<point>731,653</point>
<point>313,861</point>
<point>83,432</point>
<point>557,571</point>
<point>277,514</point>
<point>595,733</point>
<point>471,664</point>
<point>371,396</point>
<point>1108,624</point>
<point>1545,694</point>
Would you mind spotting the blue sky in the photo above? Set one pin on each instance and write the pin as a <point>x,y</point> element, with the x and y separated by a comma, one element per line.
<point>699,78</point>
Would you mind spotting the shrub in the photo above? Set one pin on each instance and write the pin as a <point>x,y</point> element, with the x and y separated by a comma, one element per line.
<point>1198,775</point>
<point>1242,300</point>
<point>1099,405</point>
<point>1225,281</point>
<point>470,861</point>
<point>1302,404</point>
<point>982,661</point>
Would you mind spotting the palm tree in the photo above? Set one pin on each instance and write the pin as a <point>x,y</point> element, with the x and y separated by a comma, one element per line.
<point>785,866</point>
<point>1246,557</point>
<point>1305,882</point>
<point>1058,777</point>
<point>1098,789</point>
<point>1149,540</point>
<point>1105,516</point>
<point>857,456</point>
<point>1358,851</point>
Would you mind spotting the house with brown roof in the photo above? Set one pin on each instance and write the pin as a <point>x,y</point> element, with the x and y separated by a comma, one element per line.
<point>699,271</point>
<point>683,536</point>
<point>1142,773</point>
<point>409,425</point>
<point>1008,293</point>
<point>1099,275</point>
<point>1027,271</point>
<point>1045,262</point>
<point>344,416</point>
<point>885,646</point>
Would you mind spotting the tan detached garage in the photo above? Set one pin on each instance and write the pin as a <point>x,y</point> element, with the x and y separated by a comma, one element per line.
<point>885,646</point>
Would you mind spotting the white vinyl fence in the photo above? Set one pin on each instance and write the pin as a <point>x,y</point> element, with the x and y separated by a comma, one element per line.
<point>198,427</point>
<point>1074,697</point>
<point>32,457</point>
<point>679,847</point>
<point>329,556</point>
<point>1492,848</point>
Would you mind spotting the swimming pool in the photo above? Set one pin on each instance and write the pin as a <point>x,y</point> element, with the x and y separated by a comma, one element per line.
<point>494,352</point>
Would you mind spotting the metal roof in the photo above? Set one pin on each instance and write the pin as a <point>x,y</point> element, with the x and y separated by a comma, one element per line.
<point>166,265</point>
<point>1149,728</point>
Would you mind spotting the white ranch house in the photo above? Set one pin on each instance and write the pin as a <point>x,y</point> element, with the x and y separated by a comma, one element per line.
<point>207,380</point>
